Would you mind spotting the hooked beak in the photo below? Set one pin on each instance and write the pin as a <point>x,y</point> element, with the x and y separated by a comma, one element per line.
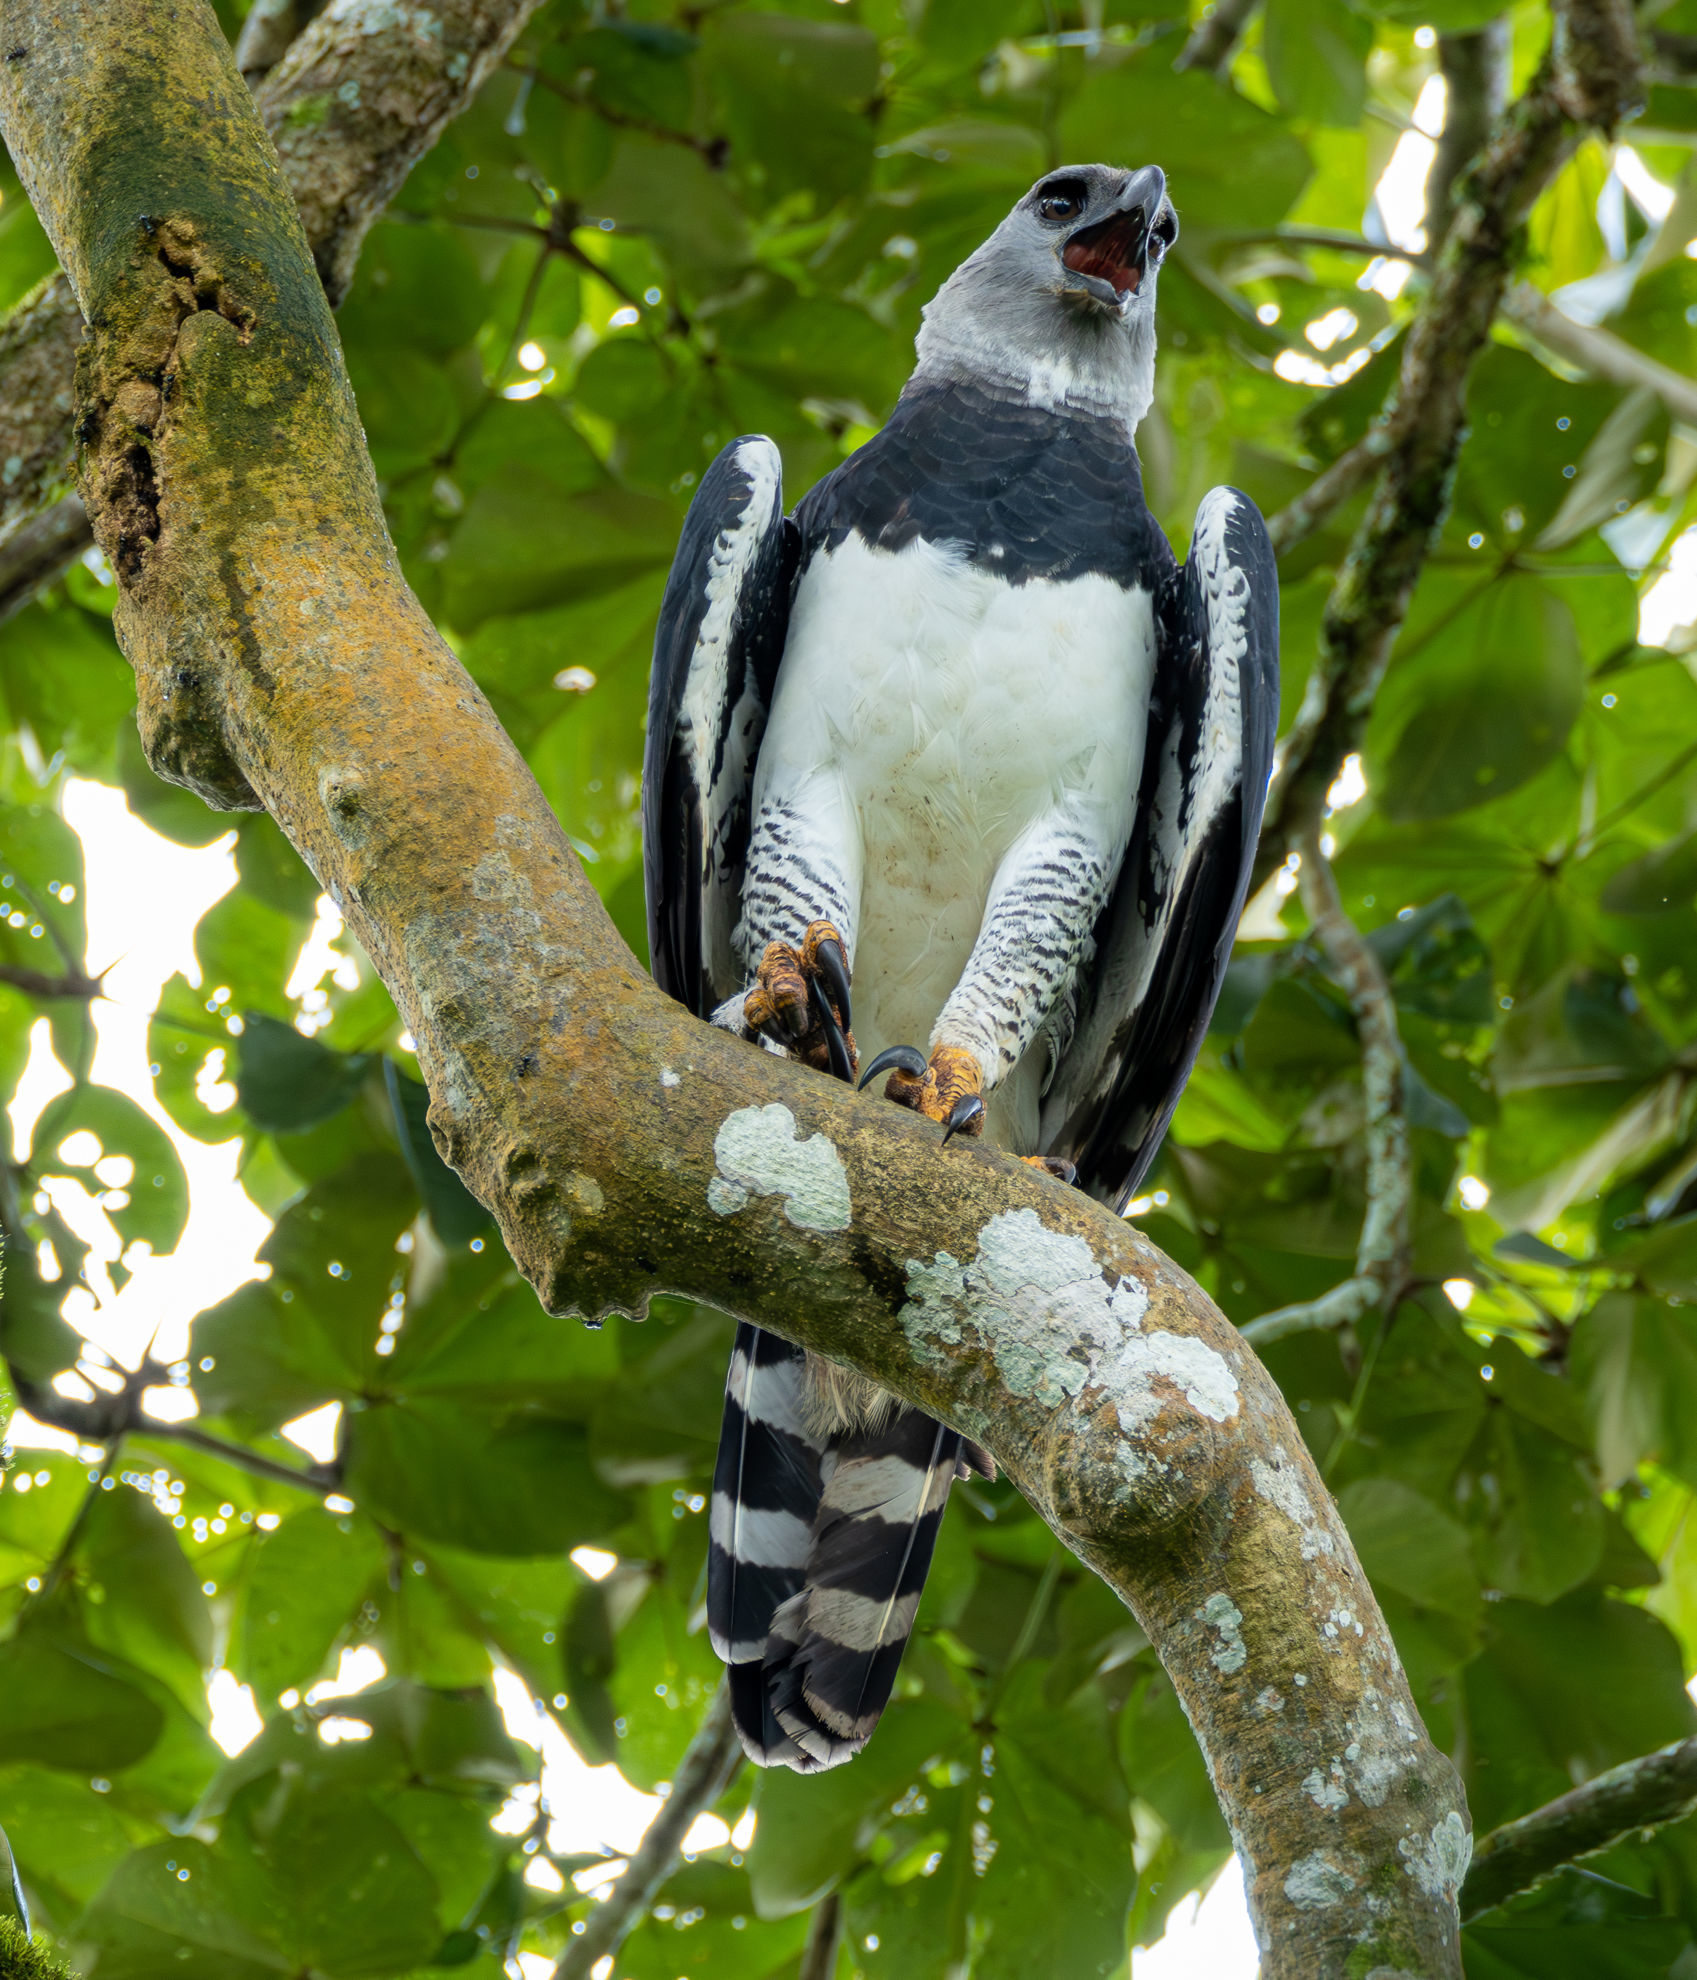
<point>1111,257</point>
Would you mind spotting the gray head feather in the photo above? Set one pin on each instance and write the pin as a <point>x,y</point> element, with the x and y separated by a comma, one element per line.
<point>1058,305</point>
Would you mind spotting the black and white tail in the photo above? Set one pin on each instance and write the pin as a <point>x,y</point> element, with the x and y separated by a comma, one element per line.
<point>819,1548</point>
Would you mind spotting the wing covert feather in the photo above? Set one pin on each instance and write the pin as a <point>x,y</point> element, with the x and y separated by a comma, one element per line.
<point>716,652</point>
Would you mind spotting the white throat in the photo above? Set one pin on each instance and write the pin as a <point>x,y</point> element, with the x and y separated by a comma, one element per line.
<point>1093,365</point>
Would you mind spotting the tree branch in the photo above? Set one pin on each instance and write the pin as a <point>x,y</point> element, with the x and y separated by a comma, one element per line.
<point>36,983</point>
<point>352,106</point>
<point>267,32</point>
<point>1475,68</point>
<point>1646,1793</point>
<point>704,1773</point>
<point>362,95</point>
<point>625,1148</point>
<point>1214,39</point>
<point>1381,1256</point>
<point>110,1418</point>
<point>1590,77</point>
<point>1599,352</point>
<point>1331,488</point>
<point>824,1939</point>
<point>41,548</point>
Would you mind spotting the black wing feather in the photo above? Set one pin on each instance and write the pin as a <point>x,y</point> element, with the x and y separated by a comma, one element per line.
<point>716,652</point>
<point>1166,935</point>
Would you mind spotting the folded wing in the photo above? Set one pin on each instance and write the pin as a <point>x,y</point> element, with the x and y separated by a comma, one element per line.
<point>716,652</point>
<point>1165,937</point>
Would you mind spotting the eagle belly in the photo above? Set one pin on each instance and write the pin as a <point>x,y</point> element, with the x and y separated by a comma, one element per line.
<point>930,716</point>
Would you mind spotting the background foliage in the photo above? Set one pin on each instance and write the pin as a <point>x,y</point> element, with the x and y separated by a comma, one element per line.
<point>662,225</point>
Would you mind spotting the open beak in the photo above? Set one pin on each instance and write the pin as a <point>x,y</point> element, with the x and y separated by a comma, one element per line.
<point>1112,255</point>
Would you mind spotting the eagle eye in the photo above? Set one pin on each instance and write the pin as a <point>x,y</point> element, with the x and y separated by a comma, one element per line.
<point>1060,200</point>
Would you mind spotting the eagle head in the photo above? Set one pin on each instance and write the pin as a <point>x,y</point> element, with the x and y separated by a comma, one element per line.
<point>1059,302</point>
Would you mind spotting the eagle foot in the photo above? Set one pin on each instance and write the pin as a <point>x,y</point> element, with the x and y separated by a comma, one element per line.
<point>947,1088</point>
<point>800,1000</point>
<point>1057,1166</point>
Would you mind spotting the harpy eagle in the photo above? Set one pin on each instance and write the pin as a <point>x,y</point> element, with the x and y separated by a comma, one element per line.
<point>961,733</point>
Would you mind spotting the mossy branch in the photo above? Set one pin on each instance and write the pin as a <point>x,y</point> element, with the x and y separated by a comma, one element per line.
<point>353,104</point>
<point>1647,1793</point>
<point>1591,78</point>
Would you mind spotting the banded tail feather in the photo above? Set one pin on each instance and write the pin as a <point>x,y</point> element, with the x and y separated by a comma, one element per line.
<point>820,1543</point>
<point>766,1487</point>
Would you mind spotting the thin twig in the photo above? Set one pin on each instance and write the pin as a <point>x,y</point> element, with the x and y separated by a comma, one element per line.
<point>824,1940</point>
<point>1381,1255</point>
<point>108,1419</point>
<point>703,1775</point>
<point>1599,351</point>
<point>1330,489</point>
<point>1215,37</point>
<point>1641,1794</point>
<point>37,983</point>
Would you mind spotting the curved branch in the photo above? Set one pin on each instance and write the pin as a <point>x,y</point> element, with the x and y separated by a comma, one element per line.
<point>1591,76</point>
<point>1381,1257</point>
<point>1646,1793</point>
<point>1213,41</point>
<point>625,1148</point>
<point>353,105</point>
<point>704,1773</point>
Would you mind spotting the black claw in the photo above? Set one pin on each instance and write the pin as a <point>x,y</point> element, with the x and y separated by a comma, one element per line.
<point>835,967</point>
<point>841,1065</point>
<point>895,1057</point>
<point>967,1109</point>
<point>1061,1169</point>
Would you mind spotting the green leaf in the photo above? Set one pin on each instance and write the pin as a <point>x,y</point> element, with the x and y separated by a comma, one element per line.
<point>66,1704</point>
<point>491,1482</point>
<point>303,1595</point>
<point>1483,707</point>
<point>455,1213</point>
<point>1411,1545</point>
<point>1316,56</point>
<point>1231,164</point>
<point>812,1826</point>
<point>157,1192</point>
<point>141,1597</point>
<point>286,1082</point>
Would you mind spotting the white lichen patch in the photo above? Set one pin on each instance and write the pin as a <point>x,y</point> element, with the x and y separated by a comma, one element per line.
<point>1280,1483</point>
<point>758,1153</point>
<point>1055,1326</point>
<point>1317,1881</point>
<point>1438,1862</point>
<point>584,1193</point>
<point>1269,1701</point>
<point>669,1078</point>
<point>1221,1613</point>
<point>1326,1790</point>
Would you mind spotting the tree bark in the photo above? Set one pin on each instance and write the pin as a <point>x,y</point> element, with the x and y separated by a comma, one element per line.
<point>625,1148</point>
<point>353,105</point>
<point>1592,76</point>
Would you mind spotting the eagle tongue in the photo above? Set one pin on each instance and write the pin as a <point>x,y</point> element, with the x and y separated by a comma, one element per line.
<point>1112,250</point>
